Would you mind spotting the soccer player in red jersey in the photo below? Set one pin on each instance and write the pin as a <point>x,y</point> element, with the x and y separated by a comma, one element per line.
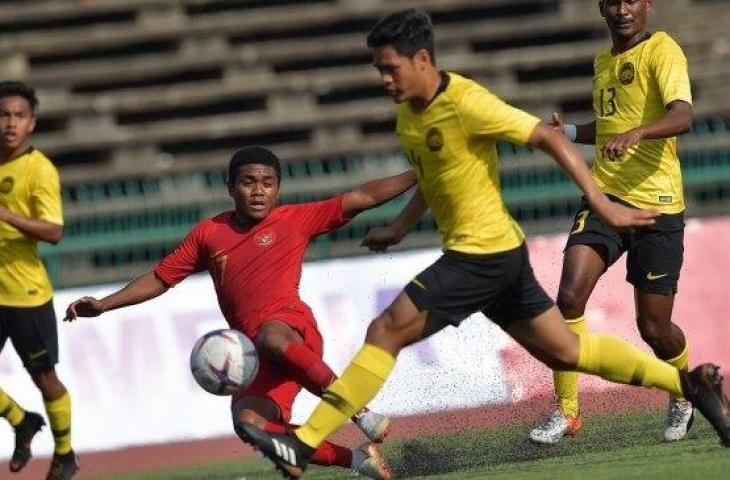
<point>254,255</point>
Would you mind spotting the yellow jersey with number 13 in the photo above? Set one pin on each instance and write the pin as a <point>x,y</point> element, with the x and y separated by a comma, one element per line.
<point>631,89</point>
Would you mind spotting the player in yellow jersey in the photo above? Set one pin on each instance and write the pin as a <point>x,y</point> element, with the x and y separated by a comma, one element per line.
<point>641,102</point>
<point>448,126</point>
<point>30,211</point>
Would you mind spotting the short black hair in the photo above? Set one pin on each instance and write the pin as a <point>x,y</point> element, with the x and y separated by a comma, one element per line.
<point>249,155</point>
<point>20,89</point>
<point>407,31</point>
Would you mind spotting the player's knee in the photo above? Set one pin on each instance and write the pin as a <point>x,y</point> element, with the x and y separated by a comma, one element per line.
<point>562,359</point>
<point>48,383</point>
<point>571,301</point>
<point>654,331</point>
<point>274,338</point>
<point>382,332</point>
<point>378,330</point>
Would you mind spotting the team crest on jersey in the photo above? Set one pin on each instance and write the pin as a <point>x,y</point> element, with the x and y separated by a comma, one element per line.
<point>434,139</point>
<point>627,73</point>
<point>7,184</point>
<point>265,239</point>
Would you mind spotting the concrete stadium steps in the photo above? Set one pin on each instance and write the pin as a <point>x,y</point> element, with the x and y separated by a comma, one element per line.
<point>143,102</point>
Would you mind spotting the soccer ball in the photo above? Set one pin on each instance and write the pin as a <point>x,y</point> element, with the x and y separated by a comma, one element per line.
<point>224,361</point>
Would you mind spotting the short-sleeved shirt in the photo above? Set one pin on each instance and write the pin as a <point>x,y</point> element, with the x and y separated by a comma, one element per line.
<point>256,268</point>
<point>452,147</point>
<point>631,89</point>
<point>29,186</point>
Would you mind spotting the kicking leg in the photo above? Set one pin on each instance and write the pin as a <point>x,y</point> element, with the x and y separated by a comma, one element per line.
<point>264,414</point>
<point>282,344</point>
<point>548,339</point>
<point>400,325</point>
<point>279,342</point>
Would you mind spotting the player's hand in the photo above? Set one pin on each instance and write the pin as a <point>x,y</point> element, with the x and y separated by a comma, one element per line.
<point>621,217</point>
<point>83,307</point>
<point>557,123</point>
<point>379,239</point>
<point>616,147</point>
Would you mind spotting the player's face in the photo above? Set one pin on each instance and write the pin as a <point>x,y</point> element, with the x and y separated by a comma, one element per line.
<point>17,122</point>
<point>625,18</point>
<point>400,76</point>
<point>255,191</point>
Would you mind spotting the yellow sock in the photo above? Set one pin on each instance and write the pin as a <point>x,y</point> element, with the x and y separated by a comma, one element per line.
<point>566,383</point>
<point>347,395</point>
<point>10,410</point>
<point>59,414</point>
<point>620,362</point>
<point>681,361</point>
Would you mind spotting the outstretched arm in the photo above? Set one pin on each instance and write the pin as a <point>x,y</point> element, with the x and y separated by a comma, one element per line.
<point>676,120</point>
<point>376,192</point>
<point>141,289</point>
<point>566,155</point>
<point>379,239</point>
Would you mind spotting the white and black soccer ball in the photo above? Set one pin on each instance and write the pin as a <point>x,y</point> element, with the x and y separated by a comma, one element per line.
<point>224,361</point>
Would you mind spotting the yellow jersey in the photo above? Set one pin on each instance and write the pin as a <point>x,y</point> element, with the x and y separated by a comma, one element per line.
<point>452,147</point>
<point>29,186</point>
<point>631,89</point>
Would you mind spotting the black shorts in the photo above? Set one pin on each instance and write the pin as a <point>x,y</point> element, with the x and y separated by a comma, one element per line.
<point>33,333</point>
<point>654,253</point>
<point>501,285</point>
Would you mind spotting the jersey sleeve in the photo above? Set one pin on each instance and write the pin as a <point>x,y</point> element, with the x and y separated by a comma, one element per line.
<point>46,194</point>
<point>186,259</point>
<point>669,65</point>
<point>316,218</point>
<point>483,113</point>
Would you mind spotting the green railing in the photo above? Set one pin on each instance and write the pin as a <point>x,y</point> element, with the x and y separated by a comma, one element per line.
<point>132,231</point>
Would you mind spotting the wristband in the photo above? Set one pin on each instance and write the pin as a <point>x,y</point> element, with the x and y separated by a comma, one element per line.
<point>570,131</point>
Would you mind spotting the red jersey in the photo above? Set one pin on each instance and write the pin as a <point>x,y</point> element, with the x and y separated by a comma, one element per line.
<point>257,268</point>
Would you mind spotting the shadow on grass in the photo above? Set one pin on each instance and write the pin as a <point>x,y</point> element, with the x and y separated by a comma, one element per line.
<point>491,448</point>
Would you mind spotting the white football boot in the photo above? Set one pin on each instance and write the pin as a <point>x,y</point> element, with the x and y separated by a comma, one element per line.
<point>555,428</point>
<point>680,415</point>
<point>369,462</point>
<point>374,425</point>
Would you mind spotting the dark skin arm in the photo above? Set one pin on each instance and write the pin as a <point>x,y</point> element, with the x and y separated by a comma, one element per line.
<point>676,121</point>
<point>38,229</point>
<point>379,239</point>
<point>571,161</point>
<point>376,192</point>
<point>139,290</point>
<point>585,134</point>
<point>565,154</point>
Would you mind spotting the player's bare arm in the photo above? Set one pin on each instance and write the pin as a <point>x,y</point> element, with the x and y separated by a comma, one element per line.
<point>139,290</point>
<point>571,161</point>
<point>379,239</point>
<point>676,121</point>
<point>584,134</point>
<point>376,192</point>
<point>38,229</point>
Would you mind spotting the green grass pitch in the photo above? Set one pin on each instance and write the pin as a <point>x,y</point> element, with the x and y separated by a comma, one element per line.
<point>618,447</point>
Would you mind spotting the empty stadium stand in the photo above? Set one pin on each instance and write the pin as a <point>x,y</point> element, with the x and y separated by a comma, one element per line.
<point>143,101</point>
